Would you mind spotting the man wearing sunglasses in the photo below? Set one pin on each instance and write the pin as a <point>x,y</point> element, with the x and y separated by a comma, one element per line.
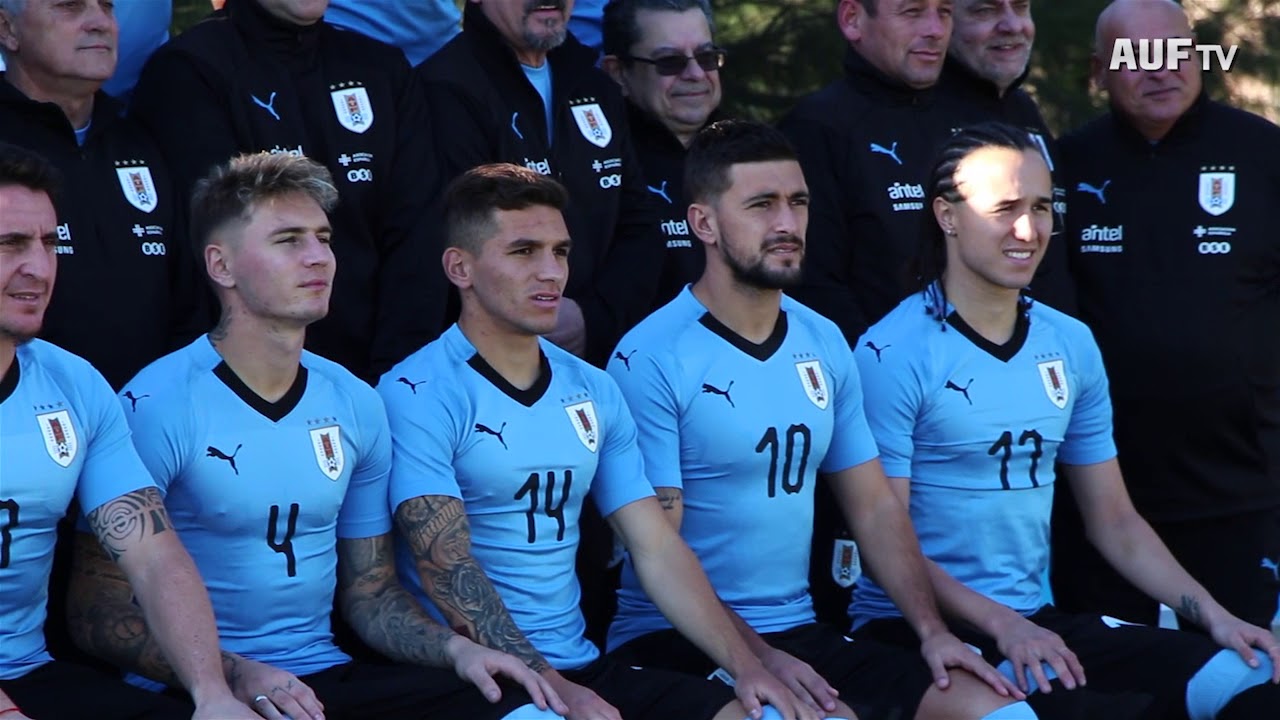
<point>662,55</point>
<point>516,86</point>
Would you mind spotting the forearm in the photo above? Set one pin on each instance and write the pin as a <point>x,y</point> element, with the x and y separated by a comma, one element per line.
<point>958,601</point>
<point>755,643</point>
<point>889,543</point>
<point>6,703</point>
<point>394,623</point>
<point>436,528</point>
<point>1141,557</point>
<point>675,581</point>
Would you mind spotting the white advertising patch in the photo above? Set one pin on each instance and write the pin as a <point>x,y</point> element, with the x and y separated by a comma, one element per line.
<point>327,444</point>
<point>593,124</point>
<point>351,103</point>
<point>59,436</point>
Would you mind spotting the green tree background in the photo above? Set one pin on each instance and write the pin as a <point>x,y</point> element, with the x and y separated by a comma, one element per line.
<point>783,49</point>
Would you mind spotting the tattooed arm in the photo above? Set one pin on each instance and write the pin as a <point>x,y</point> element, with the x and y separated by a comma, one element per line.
<point>391,621</point>
<point>134,531</point>
<point>437,530</point>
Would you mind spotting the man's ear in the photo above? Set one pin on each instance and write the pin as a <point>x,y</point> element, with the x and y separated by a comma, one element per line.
<point>702,223</point>
<point>850,17</point>
<point>8,32</point>
<point>944,214</point>
<point>218,261</point>
<point>457,267</point>
<point>612,65</point>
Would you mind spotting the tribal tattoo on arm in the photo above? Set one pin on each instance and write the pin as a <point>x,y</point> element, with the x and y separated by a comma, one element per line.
<point>122,523</point>
<point>381,610</point>
<point>103,618</point>
<point>440,536</point>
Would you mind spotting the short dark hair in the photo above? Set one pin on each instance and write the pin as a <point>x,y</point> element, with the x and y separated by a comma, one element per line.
<point>621,31</point>
<point>871,6</point>
<point>726,143</point>
<point>475,196</point>
<point>930,261</point>
<point>231,191</point>
<point>24,168</point>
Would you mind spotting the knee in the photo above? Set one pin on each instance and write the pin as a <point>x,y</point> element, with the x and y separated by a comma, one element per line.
<point>1220,680</point>
<point>531,712</point>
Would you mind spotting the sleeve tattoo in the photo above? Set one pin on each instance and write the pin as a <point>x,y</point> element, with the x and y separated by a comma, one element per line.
<point>437,530</point>
<point>381,610</point>
<point>122,523</point>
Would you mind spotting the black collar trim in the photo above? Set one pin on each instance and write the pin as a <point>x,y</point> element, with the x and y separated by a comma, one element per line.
<point>9,382</point>
<point>761,352</point>
<point>1003,353</point>
<point>273,411</point>
<point>526,398</point>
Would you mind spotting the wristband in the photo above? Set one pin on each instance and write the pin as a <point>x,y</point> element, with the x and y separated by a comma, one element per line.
<point>14,709</point>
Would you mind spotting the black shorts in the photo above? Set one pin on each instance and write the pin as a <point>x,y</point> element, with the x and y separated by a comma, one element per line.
<point>1234,557</point>
<point>878,681</point>
<point>1142,669</point>
<point>63,690</point>
<point>361,690</point>
<point>650,693</point>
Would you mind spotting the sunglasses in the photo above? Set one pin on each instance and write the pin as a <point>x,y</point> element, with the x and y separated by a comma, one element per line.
<point>709,60</point>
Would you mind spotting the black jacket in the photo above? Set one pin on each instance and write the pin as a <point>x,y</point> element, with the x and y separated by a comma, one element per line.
<point>128,289</point>
<point>866,143</point>
<point>243,81</point>
<point>1175,250</point>
<point>966,98</point>
<point>485,110</point>
<point>662,157</point>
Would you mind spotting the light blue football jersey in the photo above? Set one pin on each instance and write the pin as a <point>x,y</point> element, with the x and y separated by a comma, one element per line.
<point>260,492</point>
<point>977,427</point>
<point>743,430</point>
<point>522,462</point>
<point>61,434</point>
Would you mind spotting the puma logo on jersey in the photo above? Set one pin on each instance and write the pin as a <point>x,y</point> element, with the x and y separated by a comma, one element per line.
<point>1271,565</point>
<point>496,433</point>
<point>706,388</point>
<point>412,385</point>
<point>962,390</point>
<point>1098,192</point>
<point>891,151</point>
<point>269,105</point>
<point>660,191</point>
<point>133,400</point>
<point>877,350</point>
<point>626,359</point>
<point>214,452</point>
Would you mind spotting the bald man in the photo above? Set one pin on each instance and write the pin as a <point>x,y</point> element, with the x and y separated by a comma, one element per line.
<point>1177,264</point>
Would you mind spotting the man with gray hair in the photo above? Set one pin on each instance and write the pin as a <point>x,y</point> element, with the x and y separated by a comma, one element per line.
<point>1174,250</point>
<point>661,53</point>
<point>275,463</point>
<point>120,218</point>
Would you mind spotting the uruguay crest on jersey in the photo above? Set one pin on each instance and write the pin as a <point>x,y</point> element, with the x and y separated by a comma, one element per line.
<point>1053,375</point>
<point>139,189</point>
<point>1217,190</point>
<point>351,103</point>
<point>593,124</point>
<point>814,382</point>
<point>327,444</point>
<point>59,436</point>
<point>583,417</point>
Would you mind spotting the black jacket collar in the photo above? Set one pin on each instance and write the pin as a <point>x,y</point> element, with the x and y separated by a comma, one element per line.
<point>1185,130</point>
<point>962,79</point>
<point>296,45</point>
<point>867,78</point>
<point>570,59</point>
<point>106,110</point>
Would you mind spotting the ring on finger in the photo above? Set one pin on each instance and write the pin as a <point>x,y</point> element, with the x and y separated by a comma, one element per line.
<point>259,699</point>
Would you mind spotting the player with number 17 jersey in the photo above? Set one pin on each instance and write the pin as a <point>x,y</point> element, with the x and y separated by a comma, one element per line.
<point>261,491</point>
<point>522,462</point>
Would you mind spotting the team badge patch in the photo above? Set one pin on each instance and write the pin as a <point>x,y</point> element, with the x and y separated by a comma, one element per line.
<point>1217,191</point>
<point>814,382</point>
<point>326,442</point>
<point>351,103</point>
<point>583,417</point>
<point>846,563</point>
<point>59,436</point>
<point>139,190</point>
<point>593,124</point>
<point>1054,377</point>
